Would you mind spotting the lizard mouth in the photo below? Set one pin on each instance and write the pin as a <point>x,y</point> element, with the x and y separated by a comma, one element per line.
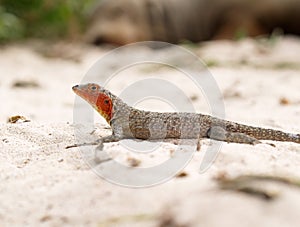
<point>83,93</point>
<point>79,91</point>
<point>76,89</point>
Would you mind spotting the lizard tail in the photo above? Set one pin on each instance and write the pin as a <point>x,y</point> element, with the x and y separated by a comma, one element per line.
<point>263,133</point>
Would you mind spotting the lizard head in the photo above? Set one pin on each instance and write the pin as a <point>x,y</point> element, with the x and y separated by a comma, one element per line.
<point>99,98</point>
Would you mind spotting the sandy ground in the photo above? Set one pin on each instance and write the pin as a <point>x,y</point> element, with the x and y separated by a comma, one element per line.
<point>42,183</point>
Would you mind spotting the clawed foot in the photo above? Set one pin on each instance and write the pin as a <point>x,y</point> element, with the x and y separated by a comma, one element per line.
<point>82,144</point>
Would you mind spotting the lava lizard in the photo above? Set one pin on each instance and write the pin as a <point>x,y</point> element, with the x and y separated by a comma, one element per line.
<point>130,123</point>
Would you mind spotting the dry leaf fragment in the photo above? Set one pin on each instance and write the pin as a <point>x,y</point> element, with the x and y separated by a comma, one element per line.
<point>17,119</point>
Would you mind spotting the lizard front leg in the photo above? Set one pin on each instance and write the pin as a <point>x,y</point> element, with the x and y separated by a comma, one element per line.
<point>218,133</point>
<point>106,139</point>
<point>100,142</point>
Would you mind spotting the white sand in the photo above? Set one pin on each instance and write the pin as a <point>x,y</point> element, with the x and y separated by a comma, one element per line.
<point>43,183</point>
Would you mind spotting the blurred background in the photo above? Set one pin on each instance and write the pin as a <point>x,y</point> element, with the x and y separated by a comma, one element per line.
<point>125,21</point>
<point>45,19</point>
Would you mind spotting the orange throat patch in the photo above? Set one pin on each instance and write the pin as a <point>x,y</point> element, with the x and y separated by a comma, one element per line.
<point>100,101</point>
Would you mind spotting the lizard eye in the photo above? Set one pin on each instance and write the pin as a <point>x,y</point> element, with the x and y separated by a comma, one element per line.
<point>93,88</point>
<point>106,101</point>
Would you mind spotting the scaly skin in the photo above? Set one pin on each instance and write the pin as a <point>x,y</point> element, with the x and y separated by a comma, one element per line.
<point>128,122</point>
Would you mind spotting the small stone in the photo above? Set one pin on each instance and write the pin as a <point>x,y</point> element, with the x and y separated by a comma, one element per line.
<point>284,101</point>
<point>133,162</point>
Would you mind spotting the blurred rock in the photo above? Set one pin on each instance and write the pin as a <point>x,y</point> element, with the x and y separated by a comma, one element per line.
<point>126,21</point>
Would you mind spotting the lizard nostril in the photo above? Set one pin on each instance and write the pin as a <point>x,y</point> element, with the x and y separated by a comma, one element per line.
<point>76,86</point>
